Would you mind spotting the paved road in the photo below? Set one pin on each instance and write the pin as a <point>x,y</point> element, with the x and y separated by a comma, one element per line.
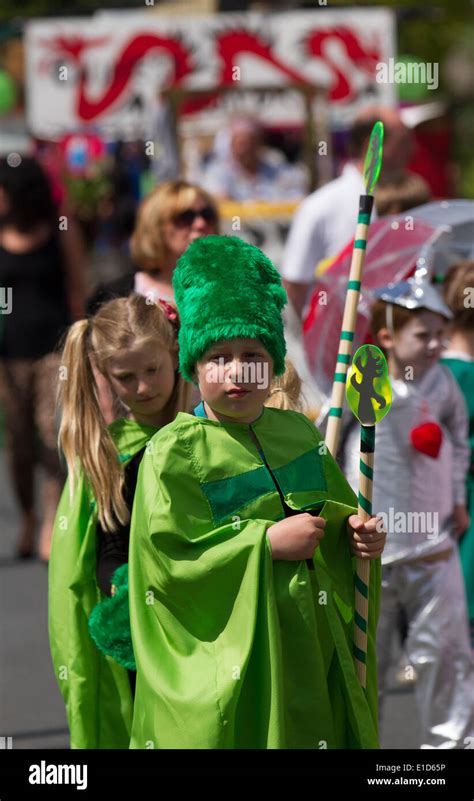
<point>31,708</point>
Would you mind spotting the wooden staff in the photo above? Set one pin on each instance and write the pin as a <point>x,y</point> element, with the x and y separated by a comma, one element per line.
<point>369,396</point>
<point>364,511</point>
<point>372,164</point>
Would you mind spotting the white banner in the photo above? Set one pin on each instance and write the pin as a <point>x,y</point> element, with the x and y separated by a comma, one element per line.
<point>106,72</point>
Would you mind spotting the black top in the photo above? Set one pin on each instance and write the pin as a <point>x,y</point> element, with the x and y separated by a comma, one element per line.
<point>112,546</point>
<point>39,310</point>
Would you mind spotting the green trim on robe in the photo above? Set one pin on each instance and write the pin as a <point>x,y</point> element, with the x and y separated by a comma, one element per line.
<point>233,649</point>
<point>95,689</point>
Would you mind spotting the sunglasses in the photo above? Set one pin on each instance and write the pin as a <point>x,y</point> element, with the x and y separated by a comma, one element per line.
<point>186,218</point>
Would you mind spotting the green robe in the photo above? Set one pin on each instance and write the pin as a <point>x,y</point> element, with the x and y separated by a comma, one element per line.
<point>96,690</point>
<point>233,649</point>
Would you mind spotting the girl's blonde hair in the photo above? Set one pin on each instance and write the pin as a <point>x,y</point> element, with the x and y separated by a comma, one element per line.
<point>285,390</point>
<point>147,244</point>
<point>84,438</point>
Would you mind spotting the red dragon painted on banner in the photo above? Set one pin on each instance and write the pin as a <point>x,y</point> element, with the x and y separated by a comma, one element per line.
<point>133,52</point>
<point>365,59</point>
<point>229,46</point>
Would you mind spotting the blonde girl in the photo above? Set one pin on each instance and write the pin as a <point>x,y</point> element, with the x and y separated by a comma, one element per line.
<point>132,343</point>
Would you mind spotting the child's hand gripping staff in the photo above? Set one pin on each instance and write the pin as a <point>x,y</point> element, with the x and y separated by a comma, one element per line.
<point>372,164</point>
<point>369,396</point>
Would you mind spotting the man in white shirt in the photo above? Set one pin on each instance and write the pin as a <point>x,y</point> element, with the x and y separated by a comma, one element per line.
<point>325,221</point>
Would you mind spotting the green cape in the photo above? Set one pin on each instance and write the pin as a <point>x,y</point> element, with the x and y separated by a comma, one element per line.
<point>96,690</point>
<point>233,649</point>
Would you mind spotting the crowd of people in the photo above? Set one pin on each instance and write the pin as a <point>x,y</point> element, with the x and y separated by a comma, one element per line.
<point>184,605</point>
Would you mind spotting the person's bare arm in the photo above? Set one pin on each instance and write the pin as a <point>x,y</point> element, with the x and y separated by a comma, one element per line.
<point>297,294</point>
<point>74,254</point>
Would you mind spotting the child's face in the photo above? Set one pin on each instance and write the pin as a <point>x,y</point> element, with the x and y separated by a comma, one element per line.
<point>419,343</point>
<point>234,378</point>
<point>143,378</point>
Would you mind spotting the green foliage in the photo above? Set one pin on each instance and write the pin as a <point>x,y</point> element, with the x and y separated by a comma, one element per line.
<point>463,155</point>
<point>86,193</point>
<point>9,9</point>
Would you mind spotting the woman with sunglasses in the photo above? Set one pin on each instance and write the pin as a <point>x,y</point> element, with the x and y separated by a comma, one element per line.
<point>168,220</point>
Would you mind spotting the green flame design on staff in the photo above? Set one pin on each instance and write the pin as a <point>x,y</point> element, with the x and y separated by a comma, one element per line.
<point>369,396</point>
<point>372,165</point>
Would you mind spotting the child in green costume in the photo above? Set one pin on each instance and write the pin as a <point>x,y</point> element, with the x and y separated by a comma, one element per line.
<point>458,292</point>
<point>134,345</point>
<point>241,558</point>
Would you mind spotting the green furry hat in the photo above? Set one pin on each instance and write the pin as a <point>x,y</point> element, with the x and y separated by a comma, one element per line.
<point>225,288</point>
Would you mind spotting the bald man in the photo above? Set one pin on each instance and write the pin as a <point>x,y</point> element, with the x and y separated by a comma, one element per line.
<point>326,219</point>
<point>242,170</point>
